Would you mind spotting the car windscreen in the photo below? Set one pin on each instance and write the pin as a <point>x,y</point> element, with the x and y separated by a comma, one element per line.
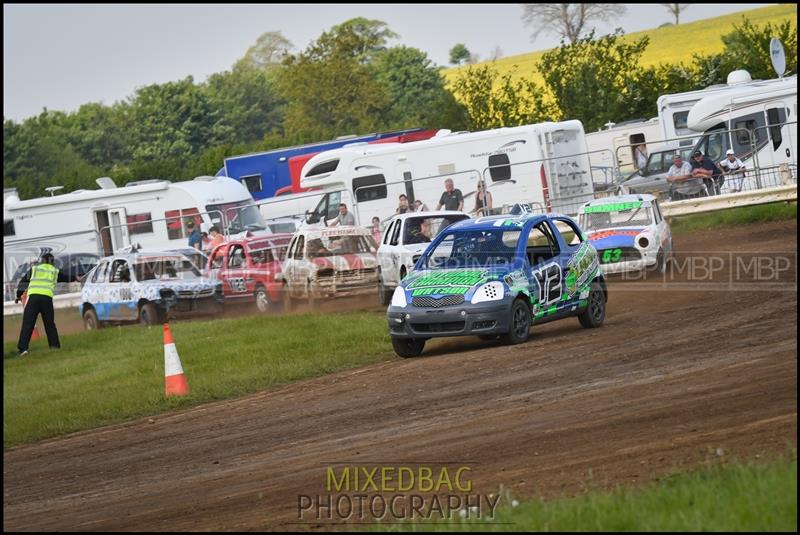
<point>165,269</point>
<point>424,229</point>
<point>238,216</point>
<point>266,251</point>
<point>473,248</point>
<point>339,245</point>
<point>611,217</point>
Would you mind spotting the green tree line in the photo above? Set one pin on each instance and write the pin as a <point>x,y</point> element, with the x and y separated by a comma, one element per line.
<point>350,81</point>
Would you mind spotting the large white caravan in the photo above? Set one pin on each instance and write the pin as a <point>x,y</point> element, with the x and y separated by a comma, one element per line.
<point>758,121</point>
<point>151,212</point>
<point>544,164</point>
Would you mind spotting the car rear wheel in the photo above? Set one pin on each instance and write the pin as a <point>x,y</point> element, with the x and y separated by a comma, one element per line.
<point>262,300</point>
<point>148,314</point>
<point>595,311</point>
<point>90,321</point>
<point>408,347</point>
<point>519,323</point>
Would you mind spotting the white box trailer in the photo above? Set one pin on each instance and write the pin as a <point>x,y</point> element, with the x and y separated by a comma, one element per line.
<point>151,212</point>
<point>544,164</point>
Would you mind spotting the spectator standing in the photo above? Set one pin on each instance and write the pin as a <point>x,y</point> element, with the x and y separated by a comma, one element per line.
<point>452,198</point>
<point>403,207</point>
<point>640,153</point>
<point>703,167</point>
<point>344,218</point>
<point>734,169</point>
<point>420,206</point>
<point>215,237</point>
<point>195,237</point>
<point>483,200</point>
<point>376,229</point>
<point>683,184</point>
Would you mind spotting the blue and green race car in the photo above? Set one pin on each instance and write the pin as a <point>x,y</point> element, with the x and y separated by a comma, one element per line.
<point>496,276</point>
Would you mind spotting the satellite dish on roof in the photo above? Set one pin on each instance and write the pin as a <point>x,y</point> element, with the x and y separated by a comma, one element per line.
<point>778,56</point>
<point>53,189</point>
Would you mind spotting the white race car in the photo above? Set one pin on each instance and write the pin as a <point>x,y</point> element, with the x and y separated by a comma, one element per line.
<point>405,238</point>
<point>628,232</point>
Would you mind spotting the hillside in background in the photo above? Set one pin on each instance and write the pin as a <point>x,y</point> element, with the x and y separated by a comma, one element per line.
<point>671,44</point>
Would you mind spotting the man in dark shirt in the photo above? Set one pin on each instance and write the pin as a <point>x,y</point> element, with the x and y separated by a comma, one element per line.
<point>705,168</point>
<point>452,199</point>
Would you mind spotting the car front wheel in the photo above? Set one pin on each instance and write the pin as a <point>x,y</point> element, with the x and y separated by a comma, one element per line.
<point>148,314</point>
<point>408,347</point>
<point>595,311</point>
<point>519,323</point>
<point>262,299</point>
<point>90,321</point>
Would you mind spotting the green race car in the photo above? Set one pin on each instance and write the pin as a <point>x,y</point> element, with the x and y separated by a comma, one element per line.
<point>495,277</point>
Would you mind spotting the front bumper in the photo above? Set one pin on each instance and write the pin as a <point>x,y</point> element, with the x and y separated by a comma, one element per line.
<point>466,319</point>
<point>187,308</point>
<point>365,283</point>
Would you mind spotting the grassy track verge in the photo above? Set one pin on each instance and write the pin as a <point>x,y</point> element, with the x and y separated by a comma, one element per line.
<point>732,497</point>
<point>734,216</point>
<point>116,374</point>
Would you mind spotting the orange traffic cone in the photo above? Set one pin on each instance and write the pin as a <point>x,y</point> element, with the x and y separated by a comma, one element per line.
<point>176,384</point>
<point>35,335</point>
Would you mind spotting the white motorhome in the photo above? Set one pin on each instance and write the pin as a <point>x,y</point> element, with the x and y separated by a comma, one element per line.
<point>149,212</point>
<point>619,141</point>
<point>543,164</point>
<point>758,121</point>
<point>673,110</point>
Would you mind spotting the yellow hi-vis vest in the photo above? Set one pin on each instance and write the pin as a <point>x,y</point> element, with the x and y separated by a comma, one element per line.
<point>43,280</point>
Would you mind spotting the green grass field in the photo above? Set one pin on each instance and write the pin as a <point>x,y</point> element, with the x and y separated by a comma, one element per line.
<point>721,497</point>
<point>671,44</point>
<point>734,216</point>
<point>117,374</point>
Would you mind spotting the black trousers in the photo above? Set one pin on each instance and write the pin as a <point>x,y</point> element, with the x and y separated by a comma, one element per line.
<point>38,304</point>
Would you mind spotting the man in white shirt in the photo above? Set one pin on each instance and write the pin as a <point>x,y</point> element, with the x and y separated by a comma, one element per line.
<point>683,184</point>
<point>734,169</point>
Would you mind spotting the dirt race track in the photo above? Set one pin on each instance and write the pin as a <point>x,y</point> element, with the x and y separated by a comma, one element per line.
<point>673,375</point>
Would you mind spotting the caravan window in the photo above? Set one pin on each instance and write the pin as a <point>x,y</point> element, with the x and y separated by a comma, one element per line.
<point>499,167</point>
<point>753,123</point>
<point>176,222</point>
<point>140,223</point>
<point>8,227</point>
<point>369,188</point>
<point>776,116</point>
<point>679,120</point>
<point>324,167</point>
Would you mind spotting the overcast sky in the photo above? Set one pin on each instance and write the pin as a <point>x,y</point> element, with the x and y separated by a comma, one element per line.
<point>62,56</point>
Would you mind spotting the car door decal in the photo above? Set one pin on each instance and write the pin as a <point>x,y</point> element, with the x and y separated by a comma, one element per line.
<point>550,279</point>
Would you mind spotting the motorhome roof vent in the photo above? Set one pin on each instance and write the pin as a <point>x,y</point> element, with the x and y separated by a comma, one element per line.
<point>205,178</point>
<point>443,132</point>
<point>105,182</point>
<point>53,189</point>
<point>143,182</point>
<point>739,77</point>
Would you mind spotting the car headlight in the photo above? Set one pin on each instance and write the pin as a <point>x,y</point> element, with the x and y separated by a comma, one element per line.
<point>643,240</point>
<point>399,297</point>
<point>491,291</point>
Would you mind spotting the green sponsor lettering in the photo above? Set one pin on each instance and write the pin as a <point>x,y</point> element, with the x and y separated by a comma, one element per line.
<point>459,278</point>
<point>615,207</point>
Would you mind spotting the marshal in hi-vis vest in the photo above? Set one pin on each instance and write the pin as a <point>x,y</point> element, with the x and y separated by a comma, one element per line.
<point>43,280</point>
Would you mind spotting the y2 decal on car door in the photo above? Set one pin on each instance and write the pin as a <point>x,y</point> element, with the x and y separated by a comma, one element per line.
<point>550,283</point>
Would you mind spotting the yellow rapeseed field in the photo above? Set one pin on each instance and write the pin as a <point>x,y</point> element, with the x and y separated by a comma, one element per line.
<point>671,44</point>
